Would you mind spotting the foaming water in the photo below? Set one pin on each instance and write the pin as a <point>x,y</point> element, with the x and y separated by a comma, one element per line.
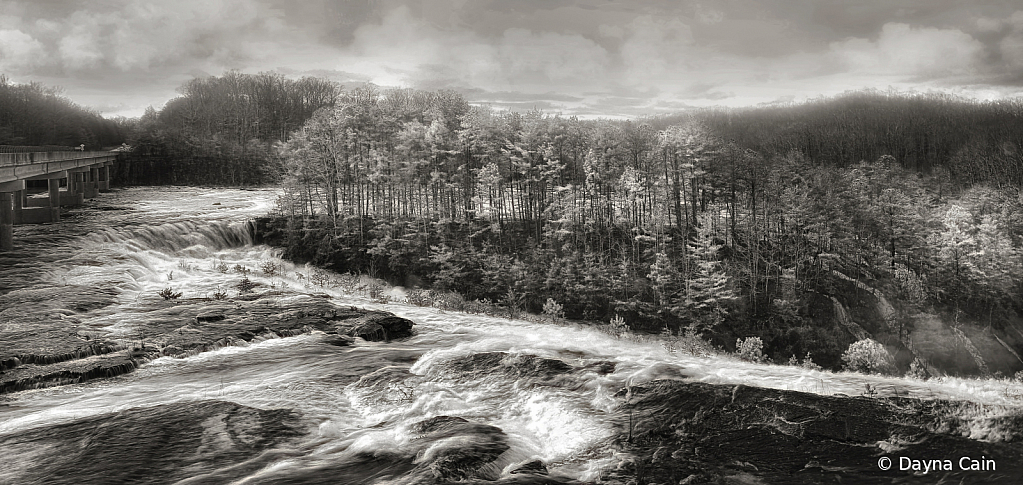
<point>548,389</point>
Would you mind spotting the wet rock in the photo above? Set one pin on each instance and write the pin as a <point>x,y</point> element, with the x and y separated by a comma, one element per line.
<point>161,444</point>
<point>535,467</point>
<point>339,340</point>
<point>516,365</point>
<point>603,367</point>
<point>455,448</point>
<point>37,326</point>
<point>172,351</point>
<point>61,352</point>
<point>9,363</point>
<point>677,431</point>
<point>376,326</point>
<point>209,316</point>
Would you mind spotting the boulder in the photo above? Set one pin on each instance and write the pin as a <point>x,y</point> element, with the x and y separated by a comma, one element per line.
<point>212,316</point>
<point>376,326</point>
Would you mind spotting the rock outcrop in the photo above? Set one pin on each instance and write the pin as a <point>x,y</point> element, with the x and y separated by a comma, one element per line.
<point>210,441</point>
<point>48,346</point>
<point>692,432</point>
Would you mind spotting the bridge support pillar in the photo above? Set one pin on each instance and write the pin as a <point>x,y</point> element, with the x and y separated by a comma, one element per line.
<point>91,183</point>
<point>54,199</point>
<point>8,191</point>
<point>19,206</point>
<point>104,177</point>
<point>6,221</point>
<point>75,194</point>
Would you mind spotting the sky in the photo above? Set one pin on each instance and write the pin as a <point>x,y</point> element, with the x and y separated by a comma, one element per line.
<point>589,58</point>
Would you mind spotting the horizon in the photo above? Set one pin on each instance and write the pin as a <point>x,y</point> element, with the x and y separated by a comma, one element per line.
<point>581,58</point>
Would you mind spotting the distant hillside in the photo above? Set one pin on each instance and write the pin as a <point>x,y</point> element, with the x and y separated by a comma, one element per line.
<point>972,141</point>
<point>37,115</point>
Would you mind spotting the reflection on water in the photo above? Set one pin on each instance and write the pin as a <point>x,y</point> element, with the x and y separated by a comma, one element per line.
<point>368,398</point>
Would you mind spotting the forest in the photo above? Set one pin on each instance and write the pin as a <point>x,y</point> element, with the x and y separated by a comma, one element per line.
<point>36,115</point>
<point>221,130</point>
<point>807,226</point>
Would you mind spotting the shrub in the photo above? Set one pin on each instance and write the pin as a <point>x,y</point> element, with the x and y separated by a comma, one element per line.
<point>808,363</point>
<point>170,294</point>
<point>221,266</point>
<point>418,297</point>
<point>512,302</point>
<point>477,307</point>
<point>868,356</point>
<point>450,301</point>
<point>219,294</point>
<point>246,285</point>
<point>917,370</point>
<point>242,270</point>
<point>553,310</point>
<point>374,290</point>
<point>618,325</point>
<point>347,282</point>
<point>616,328</point>
<point>750,349</point>
<point>1019,376</point>
<point>271,268</point>
<point>689,342</point>
<point>319,278</point>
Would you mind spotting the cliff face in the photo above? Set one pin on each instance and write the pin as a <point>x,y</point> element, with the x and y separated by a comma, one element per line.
<point>971,344</point>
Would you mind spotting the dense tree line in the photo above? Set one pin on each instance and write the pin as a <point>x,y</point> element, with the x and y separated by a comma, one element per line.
<point>668,223</point>
<point>973,141</point>
<point>36,115</point>
<point>220,129</point>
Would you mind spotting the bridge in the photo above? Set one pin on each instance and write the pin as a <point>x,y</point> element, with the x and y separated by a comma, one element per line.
<point>84,175</point>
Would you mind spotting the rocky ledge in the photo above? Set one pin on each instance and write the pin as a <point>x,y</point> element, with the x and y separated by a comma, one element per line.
<point>682,432</point>
<point>46,343</point>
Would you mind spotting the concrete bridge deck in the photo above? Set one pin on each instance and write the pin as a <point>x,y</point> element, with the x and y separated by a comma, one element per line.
<point>86,174</point>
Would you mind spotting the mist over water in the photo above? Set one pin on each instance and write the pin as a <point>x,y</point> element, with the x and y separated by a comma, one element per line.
<point>367,397</point>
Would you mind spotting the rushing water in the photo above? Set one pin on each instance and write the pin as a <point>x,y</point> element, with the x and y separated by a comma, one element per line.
<point>140,241</point>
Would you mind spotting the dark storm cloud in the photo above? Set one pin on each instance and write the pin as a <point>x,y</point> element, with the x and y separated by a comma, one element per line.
<point>577,55</point>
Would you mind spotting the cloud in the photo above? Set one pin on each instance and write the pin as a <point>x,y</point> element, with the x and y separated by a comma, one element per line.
<point>1010,46</point>
<point>662,53</point>
<point>656,48</point>
<point>141,34</point>
<point>901,49</point>
<point>19,50</point>
<point>555,56</point>
<point>407,50</point>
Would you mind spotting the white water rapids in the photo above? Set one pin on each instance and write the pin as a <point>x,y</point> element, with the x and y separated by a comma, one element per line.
<point>173,237</point>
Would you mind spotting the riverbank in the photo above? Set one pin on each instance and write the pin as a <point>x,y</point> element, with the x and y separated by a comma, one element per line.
<point>477,266</point>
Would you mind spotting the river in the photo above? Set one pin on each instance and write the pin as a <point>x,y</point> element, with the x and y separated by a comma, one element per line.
<point>139,241</point>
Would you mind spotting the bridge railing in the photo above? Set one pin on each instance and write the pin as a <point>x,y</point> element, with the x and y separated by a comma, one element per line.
<point>12,159</point>
<point>29,149</point>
